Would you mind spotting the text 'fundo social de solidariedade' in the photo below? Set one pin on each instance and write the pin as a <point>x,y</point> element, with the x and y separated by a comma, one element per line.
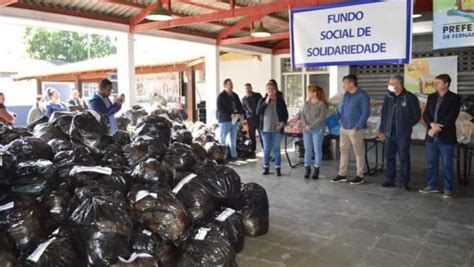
<point>348,49</point>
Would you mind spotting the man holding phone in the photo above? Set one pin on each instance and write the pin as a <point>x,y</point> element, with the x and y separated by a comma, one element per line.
<point>101,104</point>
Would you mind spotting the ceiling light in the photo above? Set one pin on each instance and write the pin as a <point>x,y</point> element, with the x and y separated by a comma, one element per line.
<point>260,31</point>
<point>159,13</point>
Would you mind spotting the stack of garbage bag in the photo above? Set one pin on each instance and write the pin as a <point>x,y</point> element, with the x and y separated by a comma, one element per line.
<point>73,195</point>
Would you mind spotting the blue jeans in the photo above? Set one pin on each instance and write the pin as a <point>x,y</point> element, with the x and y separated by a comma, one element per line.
<point>271,142</point>
<point>229,128</point>
<point>313,142</point>
<point>433,151</point>
<point>402,146</point>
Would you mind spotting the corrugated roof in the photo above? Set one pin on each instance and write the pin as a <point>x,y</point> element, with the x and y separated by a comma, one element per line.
<point>123,11</point>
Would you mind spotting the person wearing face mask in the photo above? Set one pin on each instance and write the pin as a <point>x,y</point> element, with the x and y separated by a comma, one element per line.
<point>400,112</point>
<point>441,112</point>
<point>37,111</point>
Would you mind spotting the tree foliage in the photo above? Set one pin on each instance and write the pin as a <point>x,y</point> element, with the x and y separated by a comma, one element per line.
<point>45,44</point>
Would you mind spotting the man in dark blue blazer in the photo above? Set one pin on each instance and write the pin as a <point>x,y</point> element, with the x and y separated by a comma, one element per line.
<point>101,104</point>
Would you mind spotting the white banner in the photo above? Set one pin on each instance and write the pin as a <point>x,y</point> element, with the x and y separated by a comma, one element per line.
<point>352,33</point>
<point>453,23</point>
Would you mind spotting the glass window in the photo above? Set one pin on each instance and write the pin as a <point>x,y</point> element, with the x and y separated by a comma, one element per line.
<point>293,90</point>
<point>88,90</point>
<point>286,66</point>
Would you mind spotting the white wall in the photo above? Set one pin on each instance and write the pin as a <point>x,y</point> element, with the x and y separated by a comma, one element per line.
<point>254,71</point>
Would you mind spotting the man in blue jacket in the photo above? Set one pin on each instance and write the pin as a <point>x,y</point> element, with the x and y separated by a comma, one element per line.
<point>101,104</point>
<point>400,112</point>
<point>355,111</point>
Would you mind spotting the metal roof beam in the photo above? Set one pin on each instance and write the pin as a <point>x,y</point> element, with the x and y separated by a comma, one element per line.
<point>222,15</point>
<point>4,3</point>
<point>191,2</point>
<point>251,39</point>
<point>244,11</point>
<point>244,23</point>
<point>270,15</point>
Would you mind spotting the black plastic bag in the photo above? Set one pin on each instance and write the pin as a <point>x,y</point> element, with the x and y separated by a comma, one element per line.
<point>244,145</point>
<point>94,203</point>
<point>113,157</point>
<point>155,130</point>
<point>224,182</point>
<point>206,247</point>
<point>182,136</point>
<point>103,242</point>
<point>56,204</point>
<point>7,167</point>
<point>59,145</point>
<point>135,113</point>
<point>180,157</point>
<point>56,251</point>
<point>30,148</point>
<point>199,151</point>
<point>9,134</point>
<point>91,130</point>
<point>159,120</point>
<point>121,138</point>
<point>123,122</point>
<point>160,212</point>
<point>143,148</point>
<point>104,227</point>
<point>34,178</point>
<point>47,131</point>
<point>229,224</point>
<point>467,104</point>
<point>150,243</point>
<point>32,125</point>
<point>137,260</point>
<point>62,120</point>
<point>7,250</point>
<point>217,151</point>
<point>66,160</point>
<point>197,196</point>
<point>24,221</point>
<point>255,210</point>
<point>154,174</point>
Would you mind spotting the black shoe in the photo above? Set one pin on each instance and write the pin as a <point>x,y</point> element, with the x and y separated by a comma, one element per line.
<point>265,171</point>
<point>339,179</point>
<point>278,171</point>
<point>308,172</point>
<point>407,187</point>
<point>357,180</point>
<point>388,184</point>
<point>316,173</point>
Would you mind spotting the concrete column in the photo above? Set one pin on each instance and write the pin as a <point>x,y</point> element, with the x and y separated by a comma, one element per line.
<point>126,68</point>
<point>336,73</point>
<point>213,85</point>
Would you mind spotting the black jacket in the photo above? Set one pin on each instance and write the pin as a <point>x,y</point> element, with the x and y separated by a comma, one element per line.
<point>250,105</point>
<point>447,115</point>
<point>282,110</point>
<point>225,108</point>
<point>408,114</point>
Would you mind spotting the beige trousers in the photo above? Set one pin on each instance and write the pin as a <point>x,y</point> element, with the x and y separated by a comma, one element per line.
<point>356,139</point>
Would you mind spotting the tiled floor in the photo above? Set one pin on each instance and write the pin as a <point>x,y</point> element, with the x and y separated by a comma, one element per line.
<point>318,223</point>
